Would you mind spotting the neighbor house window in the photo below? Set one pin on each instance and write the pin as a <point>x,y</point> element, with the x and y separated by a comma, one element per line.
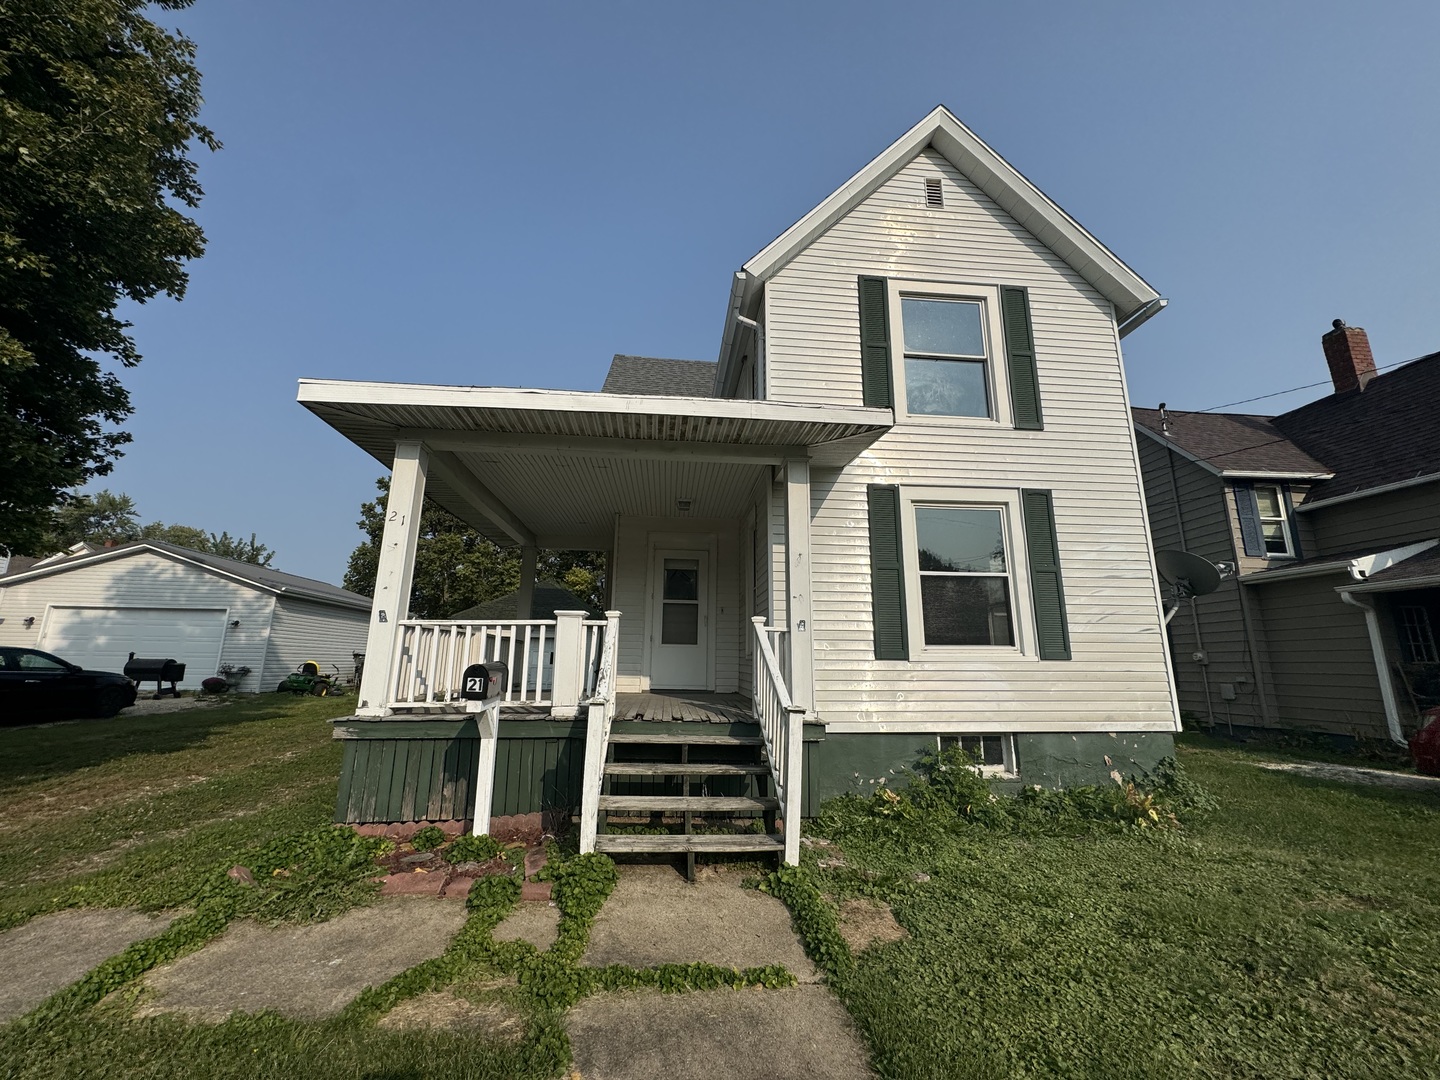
<point>994,753</point>
<point>1274,527</point>
<point>945,340</point>
<point>965,588</point>
<point>1417,639</point>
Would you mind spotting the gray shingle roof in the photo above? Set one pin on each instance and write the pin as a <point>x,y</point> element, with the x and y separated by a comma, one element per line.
<point>274,580</point>
<point>1426,564</point>
<point>548,598</point>
<point>655,375</point>
<point>1232,442</point>
<point>1369,438</point>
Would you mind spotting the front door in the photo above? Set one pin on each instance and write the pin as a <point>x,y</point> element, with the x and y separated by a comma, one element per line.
<point>680,622</point>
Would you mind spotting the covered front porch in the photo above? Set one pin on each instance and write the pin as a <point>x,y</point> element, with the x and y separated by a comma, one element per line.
<point>703,509</point>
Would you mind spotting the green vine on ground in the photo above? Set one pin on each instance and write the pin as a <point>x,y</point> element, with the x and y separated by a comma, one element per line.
<point>813,917</point>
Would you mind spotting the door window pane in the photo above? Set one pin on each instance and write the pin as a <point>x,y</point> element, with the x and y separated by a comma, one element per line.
<point>956,539</point>
<point>942,327</point>
<point>680,624</point>
<point>682,579</point>
<point>964,610</point>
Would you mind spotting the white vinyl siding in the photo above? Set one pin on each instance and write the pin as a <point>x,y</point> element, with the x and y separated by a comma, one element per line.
<point>1118,678</point>
<point>304,630</point>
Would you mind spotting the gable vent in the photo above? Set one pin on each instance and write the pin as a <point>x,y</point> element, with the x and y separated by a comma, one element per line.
<point>934,193</point>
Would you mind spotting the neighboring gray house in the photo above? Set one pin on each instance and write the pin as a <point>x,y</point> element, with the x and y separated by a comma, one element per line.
<point>1330,514</point>
<point>154,599</point>
<point>903,509</point>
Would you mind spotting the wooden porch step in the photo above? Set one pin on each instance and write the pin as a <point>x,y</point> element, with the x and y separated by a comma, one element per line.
<point>715,842</point>
<point>692,740</point>
<point>678,803</point>
<point>662,768</point>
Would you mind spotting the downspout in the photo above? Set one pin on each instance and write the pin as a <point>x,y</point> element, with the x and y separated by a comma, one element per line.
<point>1382,667</point>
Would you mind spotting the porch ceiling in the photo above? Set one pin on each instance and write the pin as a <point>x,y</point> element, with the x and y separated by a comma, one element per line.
<point>554,467</point>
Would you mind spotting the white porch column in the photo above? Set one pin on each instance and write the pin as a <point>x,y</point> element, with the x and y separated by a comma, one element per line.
<point>526,596</point>
<point>393,575</point>
<point>569,675</point>
<point>797,582</point>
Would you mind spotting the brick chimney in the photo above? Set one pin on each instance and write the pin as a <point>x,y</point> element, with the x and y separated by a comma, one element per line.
<point>1347,351</point>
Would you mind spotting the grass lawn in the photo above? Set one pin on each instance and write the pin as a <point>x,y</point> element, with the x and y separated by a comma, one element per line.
<point>1294,932</point>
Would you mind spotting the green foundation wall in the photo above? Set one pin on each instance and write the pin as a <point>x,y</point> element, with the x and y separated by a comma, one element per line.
<point>396,771</point>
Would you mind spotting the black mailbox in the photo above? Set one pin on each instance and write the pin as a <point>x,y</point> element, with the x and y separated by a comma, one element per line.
<point>484,682</point>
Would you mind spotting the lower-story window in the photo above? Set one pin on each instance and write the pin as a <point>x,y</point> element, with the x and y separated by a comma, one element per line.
<point>995,753</point>
<point>964,575</point>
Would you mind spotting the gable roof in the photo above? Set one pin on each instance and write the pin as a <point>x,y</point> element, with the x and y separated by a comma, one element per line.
<point>548,598</point>
<point>1377,437</point>
<point>1134,298</point>
<point>1231,444</point>
<point>274,581</point>
<point>656,375</point>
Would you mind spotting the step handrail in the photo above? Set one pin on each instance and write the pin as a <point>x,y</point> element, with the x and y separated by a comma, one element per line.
<point>782,725</point>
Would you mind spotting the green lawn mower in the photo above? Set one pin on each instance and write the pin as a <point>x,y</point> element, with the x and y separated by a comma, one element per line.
<point>309,680</point>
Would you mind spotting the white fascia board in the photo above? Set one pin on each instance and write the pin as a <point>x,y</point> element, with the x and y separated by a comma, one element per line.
<point>1358,568</point>
<point>1383,489</point>
<point>1000,180</point>
<point>1366,565</point>
<point>1428,582</point>
<point>345,392</point>
<point>730,333</point>
<point>993,725</point>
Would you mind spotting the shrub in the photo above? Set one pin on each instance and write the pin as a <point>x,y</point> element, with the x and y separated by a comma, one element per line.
<point>428,839</point>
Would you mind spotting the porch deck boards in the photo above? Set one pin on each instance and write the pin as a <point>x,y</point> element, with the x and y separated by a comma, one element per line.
<point>685,705</point>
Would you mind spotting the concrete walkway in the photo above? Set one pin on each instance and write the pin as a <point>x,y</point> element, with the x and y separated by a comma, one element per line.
<point>304,972</point>
<point>801,1033</point>
<point>49,953</point>
<point>655,917</point>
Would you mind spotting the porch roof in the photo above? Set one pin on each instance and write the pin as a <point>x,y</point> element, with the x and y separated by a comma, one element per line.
<point>553,467</point>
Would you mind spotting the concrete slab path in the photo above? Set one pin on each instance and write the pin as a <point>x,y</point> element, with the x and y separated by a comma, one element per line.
<point>303,972</point>
<point>655,916</point>
<point>49,953</point>
<point>801,1033</point>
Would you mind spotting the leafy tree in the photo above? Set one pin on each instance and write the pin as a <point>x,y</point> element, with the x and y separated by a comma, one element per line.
<point>102,518</point>
<point>223,544</point>
<point>98,111</point>
<point>457,568</point>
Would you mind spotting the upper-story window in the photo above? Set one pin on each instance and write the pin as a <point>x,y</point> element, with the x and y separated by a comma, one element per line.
<point>947,339</point>
<point>1274,526</point>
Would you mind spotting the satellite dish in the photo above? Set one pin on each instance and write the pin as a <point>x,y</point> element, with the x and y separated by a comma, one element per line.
<point>1187,574</point>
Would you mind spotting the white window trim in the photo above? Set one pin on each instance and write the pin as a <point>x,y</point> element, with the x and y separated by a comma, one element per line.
<point>1284,519</point>
<point>996,376</point>
<point>1009,768</point>
<point>1006,500</point>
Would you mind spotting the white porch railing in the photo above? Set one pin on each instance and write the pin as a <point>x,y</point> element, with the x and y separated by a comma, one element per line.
<point>554,662</point>
<point>782,724</point>
<point>600,713</point>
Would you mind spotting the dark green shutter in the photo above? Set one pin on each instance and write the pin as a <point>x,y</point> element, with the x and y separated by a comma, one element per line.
<point>1052,630</point>
<point>1248,512</point>
<point>875,342</point>
<point>887,574</point>
<point>1020,360</point>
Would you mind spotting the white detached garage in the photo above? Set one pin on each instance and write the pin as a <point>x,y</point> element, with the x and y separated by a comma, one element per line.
<point>159,600</point>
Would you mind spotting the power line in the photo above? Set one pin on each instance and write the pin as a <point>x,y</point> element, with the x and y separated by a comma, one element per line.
<point>1278,393</point>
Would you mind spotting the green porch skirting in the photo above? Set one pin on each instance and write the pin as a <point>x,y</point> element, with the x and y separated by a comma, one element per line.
<point>404,771</point>
<point>408,770</point>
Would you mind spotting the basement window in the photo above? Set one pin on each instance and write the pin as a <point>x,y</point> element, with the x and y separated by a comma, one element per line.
<point>995,752</point>
<point>934,193</point>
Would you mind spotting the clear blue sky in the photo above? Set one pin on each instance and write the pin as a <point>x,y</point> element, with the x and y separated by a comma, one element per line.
<point>456,192</point>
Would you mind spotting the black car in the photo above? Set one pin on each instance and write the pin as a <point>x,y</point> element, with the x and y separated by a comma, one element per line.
<point>35,685</point>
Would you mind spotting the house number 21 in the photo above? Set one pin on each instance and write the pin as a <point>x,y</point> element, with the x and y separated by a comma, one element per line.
<point>396,516</point>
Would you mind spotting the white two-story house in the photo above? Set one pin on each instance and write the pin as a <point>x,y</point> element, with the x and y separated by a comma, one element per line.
<point>902,509</point>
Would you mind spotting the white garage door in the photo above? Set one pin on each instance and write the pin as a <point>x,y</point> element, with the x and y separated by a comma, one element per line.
<point>103,638</point>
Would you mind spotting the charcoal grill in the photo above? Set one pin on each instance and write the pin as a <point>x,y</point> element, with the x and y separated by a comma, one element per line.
<point>140,669</point>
